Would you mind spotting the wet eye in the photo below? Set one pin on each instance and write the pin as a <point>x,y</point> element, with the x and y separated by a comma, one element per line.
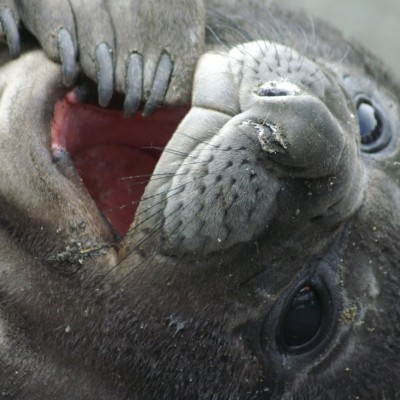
<point>303,319</point>
<point>374,134</point>
<point>300,324</point>
<point>370,122</point>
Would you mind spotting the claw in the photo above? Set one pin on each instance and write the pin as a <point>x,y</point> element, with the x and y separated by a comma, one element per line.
<point>161,82</point>
<point>134,84</point>
<point>10,29</point>
<point>105,73</point>
<point>67,52</point>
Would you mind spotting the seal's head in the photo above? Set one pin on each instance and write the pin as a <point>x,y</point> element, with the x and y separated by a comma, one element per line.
<point>262,262</point>
<point>270,145</point>
<point>277,198</point>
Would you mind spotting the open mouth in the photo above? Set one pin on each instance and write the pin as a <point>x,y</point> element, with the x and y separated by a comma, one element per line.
<point>115,156</point>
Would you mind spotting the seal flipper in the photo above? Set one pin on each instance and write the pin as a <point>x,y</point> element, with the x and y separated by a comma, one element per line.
<point>161,82</point>
<point>126,27</point>
<point>134,84</point>
<point>9,20</point>
<point>67,49</point>
<point>105,74</point>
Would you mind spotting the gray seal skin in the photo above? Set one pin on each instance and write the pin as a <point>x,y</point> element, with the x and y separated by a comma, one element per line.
<point>262,262</point>
<point>130,34</point>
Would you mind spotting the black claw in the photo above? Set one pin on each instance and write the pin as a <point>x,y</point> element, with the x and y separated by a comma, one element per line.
<point>67,52</point>
<point>10,29</point>
<point>105,73</point>
<point>161,82</point>
<point>134,84</point>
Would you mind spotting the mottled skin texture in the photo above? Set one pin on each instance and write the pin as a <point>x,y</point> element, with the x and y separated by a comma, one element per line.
<point>188,305</point>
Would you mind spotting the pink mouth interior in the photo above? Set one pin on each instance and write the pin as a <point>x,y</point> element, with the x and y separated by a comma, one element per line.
<point>114,155</point>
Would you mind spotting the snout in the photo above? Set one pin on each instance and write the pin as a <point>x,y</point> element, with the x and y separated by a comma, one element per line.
<point>270,143</point>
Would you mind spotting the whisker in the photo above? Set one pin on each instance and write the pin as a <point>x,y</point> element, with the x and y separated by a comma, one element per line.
<point>145,176</point>
<point>162,197</point>
<point>177,212</point>
<point>166,150</point>
<point>146,181</point>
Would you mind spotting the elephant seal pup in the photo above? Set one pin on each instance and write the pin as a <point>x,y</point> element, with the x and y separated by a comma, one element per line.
<point>262,259</point>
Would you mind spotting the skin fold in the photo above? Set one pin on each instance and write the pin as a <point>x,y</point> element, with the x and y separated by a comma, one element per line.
<point>270,197</point>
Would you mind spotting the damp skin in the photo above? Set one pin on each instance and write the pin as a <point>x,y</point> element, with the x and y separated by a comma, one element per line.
<point>265,207</point>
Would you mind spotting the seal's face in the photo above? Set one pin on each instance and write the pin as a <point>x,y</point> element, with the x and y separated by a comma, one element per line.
<point>272,167</point>
<point>262,258</point>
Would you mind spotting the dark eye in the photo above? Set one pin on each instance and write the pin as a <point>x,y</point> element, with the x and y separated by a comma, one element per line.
<point>374,134</point>
<point>301,321</point>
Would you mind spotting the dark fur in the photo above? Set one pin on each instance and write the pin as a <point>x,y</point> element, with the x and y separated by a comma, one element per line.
<point>149,326</point>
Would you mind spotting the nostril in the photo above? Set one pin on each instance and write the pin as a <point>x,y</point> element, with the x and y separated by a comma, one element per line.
<point>275,89</point>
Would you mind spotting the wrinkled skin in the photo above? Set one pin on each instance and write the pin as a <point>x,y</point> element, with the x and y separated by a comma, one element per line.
<point>264,190</point>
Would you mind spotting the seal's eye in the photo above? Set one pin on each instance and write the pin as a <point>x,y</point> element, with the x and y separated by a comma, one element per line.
<point>370,122</point>
<point>374,134</point>
<point>301,323</point>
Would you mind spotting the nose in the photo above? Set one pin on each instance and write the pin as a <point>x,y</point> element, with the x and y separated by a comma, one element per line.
<point>295,130</point>
<point>277,89</point>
